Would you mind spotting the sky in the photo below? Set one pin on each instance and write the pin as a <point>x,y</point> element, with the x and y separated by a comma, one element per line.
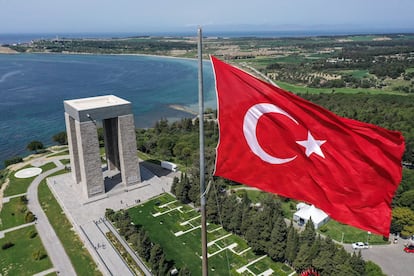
<point>105,16</point>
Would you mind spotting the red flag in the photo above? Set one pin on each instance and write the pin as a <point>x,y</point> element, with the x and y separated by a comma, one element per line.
<point>280,143</point>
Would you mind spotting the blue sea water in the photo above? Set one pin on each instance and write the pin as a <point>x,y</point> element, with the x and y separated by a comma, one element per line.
<point>34,86</point>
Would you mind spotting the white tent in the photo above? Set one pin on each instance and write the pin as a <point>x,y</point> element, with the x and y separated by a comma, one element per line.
<point>306,212</point>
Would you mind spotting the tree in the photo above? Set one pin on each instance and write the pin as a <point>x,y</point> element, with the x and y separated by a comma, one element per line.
<point>184,271</point>
<point>308,235</point>
<point>278,237</point>
<point>403,218</point>
<point>13,160</point>
<point>156,254</point>
<point>303,260</point>
<point>292,244</point>
<point>357,263</point>
<point>407,199</point>
<point>372,269</point>
<point>35,146</point>
<point>174,185</point>
<point>61,138</point>
<point>324,262</point>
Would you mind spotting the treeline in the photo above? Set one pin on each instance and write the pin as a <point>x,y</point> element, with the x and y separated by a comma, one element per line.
<point>111,46</point>
<point>266,231</point>
<point>177,141</point>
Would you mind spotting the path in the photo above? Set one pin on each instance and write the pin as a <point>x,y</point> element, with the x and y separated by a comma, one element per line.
<point>3,232</point>
<point>51,242</point>
<point>137,260</point>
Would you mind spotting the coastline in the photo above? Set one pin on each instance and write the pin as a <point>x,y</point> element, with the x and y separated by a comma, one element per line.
<point>7,50</point>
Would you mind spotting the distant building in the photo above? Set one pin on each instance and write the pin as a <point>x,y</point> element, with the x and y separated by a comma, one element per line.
<point>305,212</point>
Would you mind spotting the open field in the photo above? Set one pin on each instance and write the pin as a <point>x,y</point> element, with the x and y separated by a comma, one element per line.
<point>176,227</point>
<point>335,230</point>
<point>13,213</point>
<point>20,259</point>
<point>19,185</point>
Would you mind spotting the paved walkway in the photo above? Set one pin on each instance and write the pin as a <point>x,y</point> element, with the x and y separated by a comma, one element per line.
<point>51,242</point>
<point>14,228</point>
<point>137,260</point>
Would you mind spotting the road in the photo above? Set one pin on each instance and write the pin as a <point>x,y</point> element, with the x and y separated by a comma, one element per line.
<point>390,257</point>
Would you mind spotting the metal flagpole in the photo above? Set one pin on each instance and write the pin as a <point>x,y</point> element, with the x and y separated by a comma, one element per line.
<point>202,175</point>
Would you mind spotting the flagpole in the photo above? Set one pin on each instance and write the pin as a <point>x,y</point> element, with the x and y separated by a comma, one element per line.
<point>202,175</point>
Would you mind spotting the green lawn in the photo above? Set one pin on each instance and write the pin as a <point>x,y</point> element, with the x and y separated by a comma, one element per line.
<point>18,185</point>
<point>185,248</point>
<point>351,234</point>
<point>48,166</point>
<point>12,214</point>
<point>18,259</point>
<point>79,256</point>
<point>65,161</point>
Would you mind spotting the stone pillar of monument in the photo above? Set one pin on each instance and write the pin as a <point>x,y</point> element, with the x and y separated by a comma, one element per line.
<point>73,148</point>
<point>128,150</point>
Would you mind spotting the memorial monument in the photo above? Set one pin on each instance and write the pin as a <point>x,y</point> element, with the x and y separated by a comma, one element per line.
<point>82,116</point>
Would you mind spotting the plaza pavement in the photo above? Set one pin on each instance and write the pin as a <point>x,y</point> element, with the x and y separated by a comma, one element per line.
<point>87,215</point>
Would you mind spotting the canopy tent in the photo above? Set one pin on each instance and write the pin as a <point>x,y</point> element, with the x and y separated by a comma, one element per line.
<point>306,212</point>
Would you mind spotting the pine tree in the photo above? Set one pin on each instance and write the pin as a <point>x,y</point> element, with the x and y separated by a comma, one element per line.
<point>303,259</point>
<point>324,262</point>
<point>278,237</point>
<point>156,254</point>
<point>308,234</point>
<point>292,244</point>
<point>357,263</point>
<point>230,203</point>
<point>174,185</point>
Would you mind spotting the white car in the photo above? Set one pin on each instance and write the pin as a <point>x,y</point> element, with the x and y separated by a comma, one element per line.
<point>360,245</point>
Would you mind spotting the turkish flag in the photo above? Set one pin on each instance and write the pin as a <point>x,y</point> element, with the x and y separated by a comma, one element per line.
<point>280,143</point>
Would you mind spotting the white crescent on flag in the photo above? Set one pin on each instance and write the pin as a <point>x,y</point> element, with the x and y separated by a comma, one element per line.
<point>249,129</point>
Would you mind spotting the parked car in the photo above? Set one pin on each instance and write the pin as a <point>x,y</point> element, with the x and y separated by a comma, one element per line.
<point>409,249</point>
<point>360,245</point>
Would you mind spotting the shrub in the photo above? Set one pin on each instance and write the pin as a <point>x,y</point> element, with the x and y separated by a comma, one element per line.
<point>23,199</point>
<point>30,217</point>
<point>39,255</point>
<point>32,234</point>
<point>7,245</point>
<point>13,160</point>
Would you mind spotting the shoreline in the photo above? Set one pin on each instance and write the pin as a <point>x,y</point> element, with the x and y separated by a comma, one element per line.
<point>7,50</point>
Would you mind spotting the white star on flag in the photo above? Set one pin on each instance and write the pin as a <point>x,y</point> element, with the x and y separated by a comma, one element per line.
<point>312,146</point>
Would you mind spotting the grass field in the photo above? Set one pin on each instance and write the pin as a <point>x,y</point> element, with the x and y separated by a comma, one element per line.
<point>78,254</point>
<point>335,229</point>
<point>176,228</point>
<point>12,213</point>
<point>18,259</point>
<point>19,185</point>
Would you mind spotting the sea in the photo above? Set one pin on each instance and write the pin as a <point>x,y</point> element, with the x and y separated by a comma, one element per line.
<point>34,86</point>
